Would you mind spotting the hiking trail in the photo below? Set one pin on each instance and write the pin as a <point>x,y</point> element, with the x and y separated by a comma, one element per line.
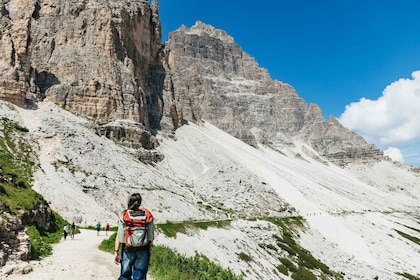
<point>77,258</point>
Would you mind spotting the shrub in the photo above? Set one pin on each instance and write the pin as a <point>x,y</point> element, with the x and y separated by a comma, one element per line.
<point>409,276</point>
<point>245,257</point>
<point>409,237</point>
<point>39,247</point>
<point>303,274</point>
<point>289,264</point>
<point>287,249</point>
<point>283,269</point>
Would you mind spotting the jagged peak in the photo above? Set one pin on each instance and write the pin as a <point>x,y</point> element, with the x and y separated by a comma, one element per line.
<point>154,5</point>
<point>200,28</point>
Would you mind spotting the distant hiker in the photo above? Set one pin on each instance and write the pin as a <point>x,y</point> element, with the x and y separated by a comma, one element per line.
<point>66,231</point>
<point>98,228</point>
<point>107,228</point>
<point>73,230</point>
<point>135,234</point>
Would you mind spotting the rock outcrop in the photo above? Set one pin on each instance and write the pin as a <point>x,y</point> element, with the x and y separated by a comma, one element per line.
<point>103,59</point>
<point>335,142</point>
<point>14,23</point>
<point>14,241</point>
<point>209,77</point>
<point>97,58</point>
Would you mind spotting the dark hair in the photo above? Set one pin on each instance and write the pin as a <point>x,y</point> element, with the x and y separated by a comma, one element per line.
<point>134,201</point>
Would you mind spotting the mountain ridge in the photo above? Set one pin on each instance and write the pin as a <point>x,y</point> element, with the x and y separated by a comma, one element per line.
<point>211,78</point>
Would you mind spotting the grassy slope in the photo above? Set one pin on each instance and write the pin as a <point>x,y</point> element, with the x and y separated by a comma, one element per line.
<point>17,162</point>
<point>169,265</point>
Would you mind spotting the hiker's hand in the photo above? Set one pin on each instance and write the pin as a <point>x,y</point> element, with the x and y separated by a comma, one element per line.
<point>117,259</point>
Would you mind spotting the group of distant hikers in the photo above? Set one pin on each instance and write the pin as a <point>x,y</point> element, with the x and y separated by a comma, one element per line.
<point>133,243</point>
<point>72,231</point>
<point>98,228</point>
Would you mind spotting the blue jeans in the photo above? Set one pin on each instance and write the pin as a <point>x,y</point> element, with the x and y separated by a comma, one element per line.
<point>134,264</point>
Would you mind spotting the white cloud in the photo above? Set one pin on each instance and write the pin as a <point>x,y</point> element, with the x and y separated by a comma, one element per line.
<point>395,154</point>
<point>391,120</point>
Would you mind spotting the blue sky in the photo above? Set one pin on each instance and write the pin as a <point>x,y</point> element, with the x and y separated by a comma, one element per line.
<point>337,54</point>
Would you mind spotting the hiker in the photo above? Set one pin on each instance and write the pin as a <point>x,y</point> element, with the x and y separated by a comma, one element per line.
<point>66,230</point>
<point>98,228</point>
<point>135,235</point>
<point>72,230</point>
<point>107,228</point>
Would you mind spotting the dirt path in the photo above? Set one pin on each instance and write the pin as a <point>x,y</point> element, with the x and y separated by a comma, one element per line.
<point>79,258</point>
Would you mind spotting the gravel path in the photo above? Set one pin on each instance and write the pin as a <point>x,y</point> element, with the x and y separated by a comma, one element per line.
<point>79,258</point>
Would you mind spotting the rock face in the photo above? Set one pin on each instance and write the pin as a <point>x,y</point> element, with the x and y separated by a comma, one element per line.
<point>335,142</point>
<point>209,77</point>
<point>14,242</point>
<point>98,59</point>
<point>13,51</point>
<point>103,59</point>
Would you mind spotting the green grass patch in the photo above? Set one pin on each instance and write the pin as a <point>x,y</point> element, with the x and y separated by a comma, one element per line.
<point>415,229</point>
<point>283,269</point>
<point>16,169</point>
<point>409,276</point>
<point>42,239</point>
<point>165,264</point>
<point>303,259</point>
<point>409,237</point>
<point>216,224</point>
<point>108,245</point>
<point>17,163</point>
<point>303,274</point>
<point>171,229</point>
<point>288,264</point>
<point>299,262</point>
<point>169,265</point>
<point>39,247</point>
<point>16,198</point>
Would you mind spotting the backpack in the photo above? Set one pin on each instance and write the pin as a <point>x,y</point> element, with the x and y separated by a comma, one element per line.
<point>136,224</point>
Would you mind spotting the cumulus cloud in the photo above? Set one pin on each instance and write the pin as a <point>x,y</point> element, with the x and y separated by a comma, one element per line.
<point>395,154</point>
<point>391,120</point>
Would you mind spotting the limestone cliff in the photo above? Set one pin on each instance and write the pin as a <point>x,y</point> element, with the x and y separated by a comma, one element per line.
<point>209,77</point>
<point>95,58</point>
<point>103,59</point>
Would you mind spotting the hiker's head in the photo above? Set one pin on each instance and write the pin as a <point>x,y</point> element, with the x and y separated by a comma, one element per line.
<point>134,201</point>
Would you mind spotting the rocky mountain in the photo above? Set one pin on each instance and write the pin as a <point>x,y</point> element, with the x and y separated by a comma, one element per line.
<point>203,133</point>
<point>210,77</point>
<point>106,62</point>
